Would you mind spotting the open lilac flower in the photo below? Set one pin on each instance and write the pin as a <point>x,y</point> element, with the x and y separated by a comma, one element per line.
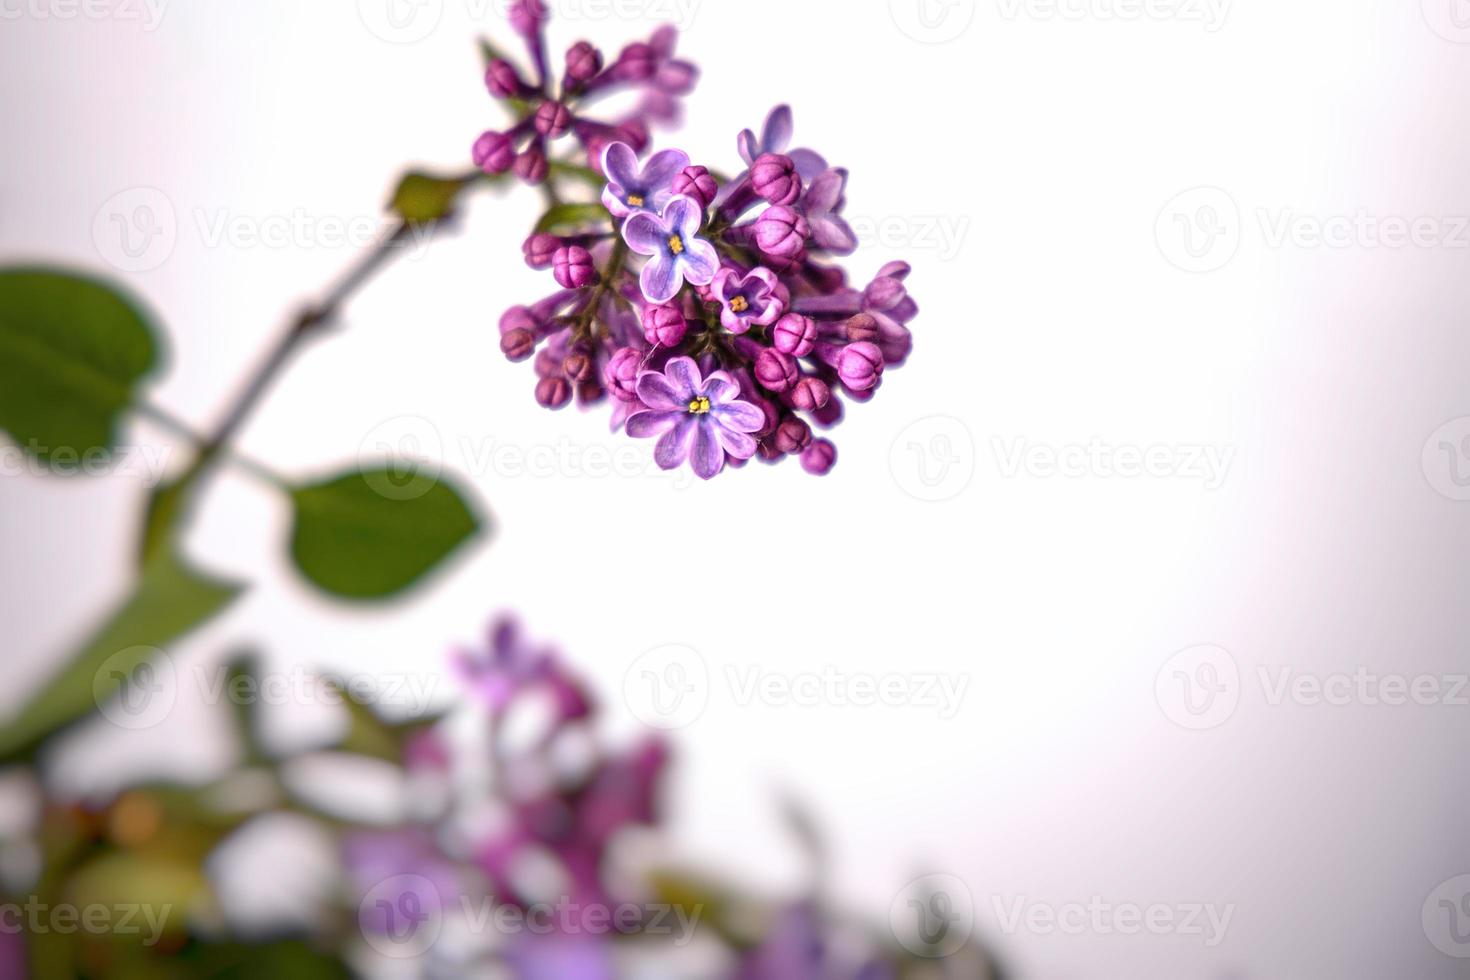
<point>676,253</point>
<point>698,419</point>
<point>750,300</point>
<point>822,203</point>
<point>631,188</point>
<point>775,138</point>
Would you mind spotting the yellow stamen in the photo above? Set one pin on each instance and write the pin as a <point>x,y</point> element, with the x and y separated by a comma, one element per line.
<point>739,304</point>
<point>699,406</point>
<point>676,245</point>
<point>636,200</point>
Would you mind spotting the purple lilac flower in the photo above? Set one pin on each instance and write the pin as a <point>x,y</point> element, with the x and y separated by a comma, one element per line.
<point>698,419</point>
<point>676,253</point>
<point>511,666</point>
<point>775,138</point>
<point>632,189</point>
<point>752,299</point>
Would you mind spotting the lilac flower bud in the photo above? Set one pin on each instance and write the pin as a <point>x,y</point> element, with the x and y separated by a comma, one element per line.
<point>578,367</point>
<point>553,393</point>
<point>621,374</point>
<point>810,395</point>
<point>859,365</point>
<point>793,436</point>
<point>794,334</point>
<point>494,152</point>
<point>664,326</point>
<point>697,183</point>
<point>781,233</point>
<point>819,458</point>
<point>553,119</point>
<point>518,344</point>
<point>503,81</point>
<point>531,166</point>
<point>776,371</point>
<point>540,250</point>
<point>527,16</point>
<point>518,318</point>
<point>775,179</point>
<point>590,393</point>
<point>884,293</point>
<point>583,62</point>
<point>862,328</point>
<point>573,268</point>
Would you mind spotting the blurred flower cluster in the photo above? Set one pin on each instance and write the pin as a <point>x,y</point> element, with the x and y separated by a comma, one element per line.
<point>707,308</point>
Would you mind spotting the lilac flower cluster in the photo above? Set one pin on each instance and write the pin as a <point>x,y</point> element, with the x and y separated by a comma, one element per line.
<point>707,309</point>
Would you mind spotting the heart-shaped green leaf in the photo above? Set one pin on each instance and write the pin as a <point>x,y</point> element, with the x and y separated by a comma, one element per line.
<point>72,351</point>
<point>422,198</point>
<point>373,533</point>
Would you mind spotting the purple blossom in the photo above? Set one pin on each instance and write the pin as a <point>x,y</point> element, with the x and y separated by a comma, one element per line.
<point>775,138</point>
<point>676,254</point>
<point>698,419</point>
<point>749,300</point>
<point>822,203</point>
<point>632,189</point>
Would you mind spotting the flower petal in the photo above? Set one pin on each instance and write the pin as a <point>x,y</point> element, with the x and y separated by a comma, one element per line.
<point>707,456</point>
<point>825,192</point>
<point>749,148</point>
<point>741,416</point>
<point>736,443</point>
<point>684,216</point>
<point>663,394</point>
<point>644,425</point>
<point>661,278</point>
<point>779,127</point>
<point>809,164</point>
<point>725,283</point>
<point>673,449</point>
<point>620,164</point>
<point>684,376</point>
<point>700,261</point>
<point>646,234</point>
<point>834,234</point>
<point>661,169</point>
<point>720,388</point>
<point>612,199</point>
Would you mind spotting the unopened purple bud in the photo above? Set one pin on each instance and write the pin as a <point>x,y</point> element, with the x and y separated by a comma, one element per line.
<point>776,371</point>
<point>781,233</point>
<point>583,61</point>
<point>859,365</point>
<point>819,458</point>
<point>532,167</point>
<point>862,328</point>
<point>518,318</point>
<point>518,344</point>
<point>793,436</point>
<point>494,152</point>
<point>664,326</point>
<point>578,367</point>
<point>553,393</point>
<point>553,119</point>
<point>697,183</point>
<point>503,80</point>
<point>810,395</point>
<point>527,16</point>
<point>884,293</point>
<point>540,250</point>
<point>794,334</point>
<point>774,177</point>
<point>621,374</point>
<point>573,268</point>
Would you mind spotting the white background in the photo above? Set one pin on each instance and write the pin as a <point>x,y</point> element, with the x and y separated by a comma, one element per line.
<point>1028,160</point>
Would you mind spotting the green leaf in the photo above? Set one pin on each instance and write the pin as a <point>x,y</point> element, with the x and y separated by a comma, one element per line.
<point>72,351</point>
<point>422,198</point>
<point>170,600</point>
<point>571,171</point>
<point>372,534</point>
<point>565,218</point>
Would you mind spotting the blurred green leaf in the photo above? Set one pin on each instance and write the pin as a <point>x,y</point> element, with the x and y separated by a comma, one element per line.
<point>571,171</point>
<point>170,600</point>
<point>290,960</point>
<point>422,198</point>
<point>565,218</point>
<point>72,351</point>
<point>373,533</point>
<point>165,503</point>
